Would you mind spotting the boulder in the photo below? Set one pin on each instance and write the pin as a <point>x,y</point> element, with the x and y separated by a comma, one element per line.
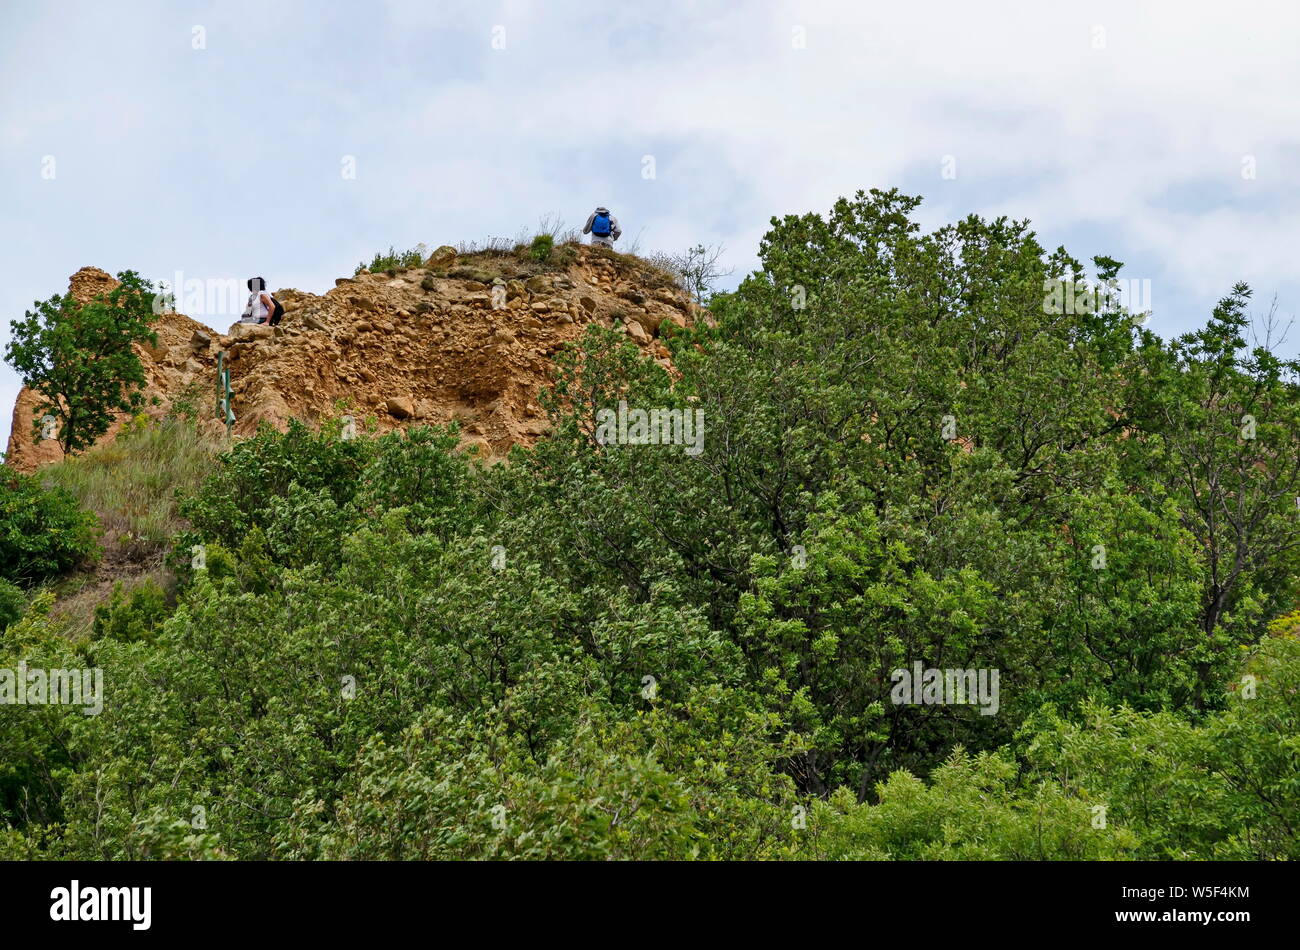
<point>442,258</point>
<point>671,324</point>
<point>248,332</point>
<point>156,351</point>
<point>637,332</point>
<point>399,407</point>
<point>650,320</point>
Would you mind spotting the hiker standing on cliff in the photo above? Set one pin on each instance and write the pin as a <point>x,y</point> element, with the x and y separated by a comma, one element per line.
<point>603,228</point>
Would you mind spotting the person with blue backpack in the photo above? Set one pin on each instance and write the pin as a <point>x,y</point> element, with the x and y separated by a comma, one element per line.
<point>603,228</point>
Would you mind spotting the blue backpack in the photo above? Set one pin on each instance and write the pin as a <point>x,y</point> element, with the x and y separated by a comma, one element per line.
<point>600,225</point>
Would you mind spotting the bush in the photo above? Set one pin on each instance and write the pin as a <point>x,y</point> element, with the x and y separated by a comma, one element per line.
<point>258,472</point>
<point>540,249</point>
<point>975,808</point>
<point>43,532</point>
<point>565,255</point>
<point>13,603</point>
<point>391,260</point>
<point>131,618</point>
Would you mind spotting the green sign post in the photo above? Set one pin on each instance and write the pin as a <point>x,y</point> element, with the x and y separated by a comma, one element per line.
<point>224,394</point>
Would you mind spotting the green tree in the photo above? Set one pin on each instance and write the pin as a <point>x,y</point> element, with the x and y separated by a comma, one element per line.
<point>80,358</point>
<point>1216,426</point>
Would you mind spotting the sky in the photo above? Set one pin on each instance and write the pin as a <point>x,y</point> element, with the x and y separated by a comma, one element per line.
<point>292,140</point>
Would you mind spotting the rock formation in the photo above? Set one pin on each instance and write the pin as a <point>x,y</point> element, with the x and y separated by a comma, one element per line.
<point>468,338</point>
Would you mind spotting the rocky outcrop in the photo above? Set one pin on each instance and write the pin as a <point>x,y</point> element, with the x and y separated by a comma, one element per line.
<point>406,347</point>
<point>173,369</point>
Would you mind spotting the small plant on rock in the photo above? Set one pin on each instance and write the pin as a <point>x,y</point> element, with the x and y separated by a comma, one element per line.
<point>540,249</point>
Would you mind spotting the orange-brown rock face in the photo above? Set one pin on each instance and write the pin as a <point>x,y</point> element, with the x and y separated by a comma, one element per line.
<point>414,347</point>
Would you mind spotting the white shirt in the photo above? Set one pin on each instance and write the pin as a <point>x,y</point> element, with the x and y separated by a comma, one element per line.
<point>257,308</point>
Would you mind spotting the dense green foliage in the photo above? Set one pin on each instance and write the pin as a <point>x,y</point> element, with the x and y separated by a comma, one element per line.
<point>602,650</point>
<point>13,603</point>
<point>80,359</point>
<point>43,531</point>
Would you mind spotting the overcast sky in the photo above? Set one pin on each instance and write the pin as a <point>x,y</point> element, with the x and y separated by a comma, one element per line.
<point>216,139</point>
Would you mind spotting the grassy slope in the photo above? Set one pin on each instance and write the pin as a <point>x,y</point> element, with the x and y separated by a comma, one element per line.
<point>132,486</point>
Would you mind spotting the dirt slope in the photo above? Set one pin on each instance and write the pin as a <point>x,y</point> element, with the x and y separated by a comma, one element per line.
<point>417,345</point>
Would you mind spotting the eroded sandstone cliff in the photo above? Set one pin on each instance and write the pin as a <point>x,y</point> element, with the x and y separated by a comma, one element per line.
<point>463,338</point>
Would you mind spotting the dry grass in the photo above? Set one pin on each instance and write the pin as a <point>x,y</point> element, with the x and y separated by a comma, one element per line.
<point>132,484</point>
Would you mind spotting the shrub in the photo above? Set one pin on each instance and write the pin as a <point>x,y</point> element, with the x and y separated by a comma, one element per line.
<point>43,532</point>
<point>13,603</point>
<point>134,617</point>
<point>565,255</point>
<point>257,472</point>
<point>391,260</point>
<point>188,404</point>
<point>540,249</point>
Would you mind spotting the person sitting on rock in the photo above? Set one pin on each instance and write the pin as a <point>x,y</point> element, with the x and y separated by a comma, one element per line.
<point>603,228</point>
<point>261,305</point>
